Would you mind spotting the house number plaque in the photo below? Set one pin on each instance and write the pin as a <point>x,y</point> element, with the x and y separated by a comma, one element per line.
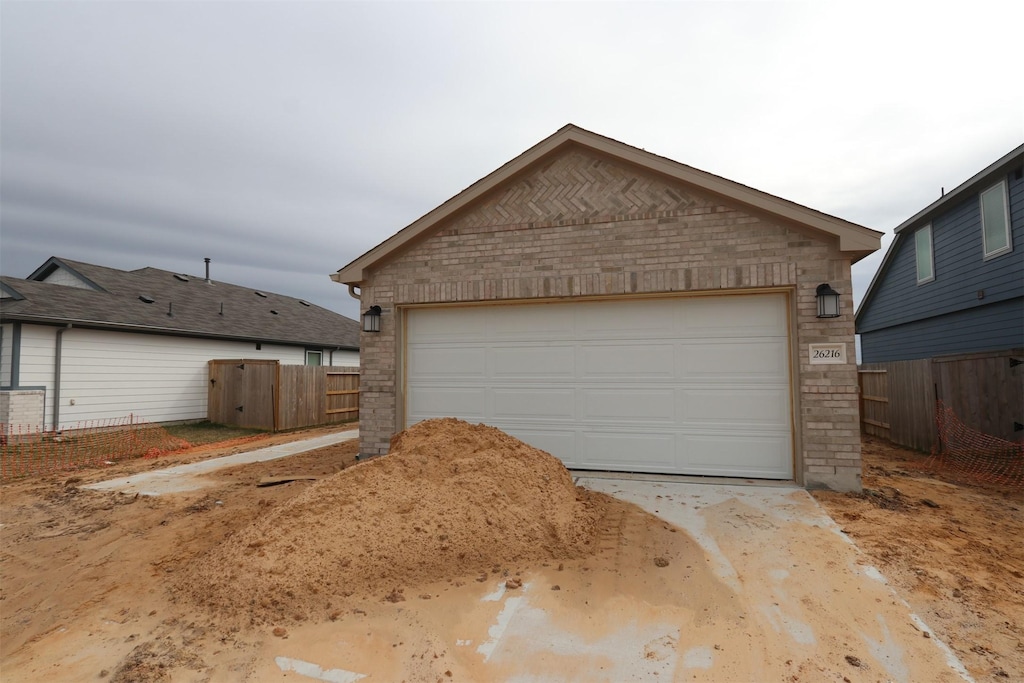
<point>827,354</point>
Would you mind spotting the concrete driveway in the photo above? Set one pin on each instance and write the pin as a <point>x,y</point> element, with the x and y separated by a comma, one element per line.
<point>753,583</point>
<point>190,477</point>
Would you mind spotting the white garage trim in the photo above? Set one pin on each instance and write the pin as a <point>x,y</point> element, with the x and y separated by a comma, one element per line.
<point>683,385</point>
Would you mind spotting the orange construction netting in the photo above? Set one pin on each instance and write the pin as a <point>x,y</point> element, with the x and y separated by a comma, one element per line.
<point>974,455</point>
<point>31,450</point>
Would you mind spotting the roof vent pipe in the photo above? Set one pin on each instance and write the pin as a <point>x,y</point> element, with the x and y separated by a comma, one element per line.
<point>207,260</point>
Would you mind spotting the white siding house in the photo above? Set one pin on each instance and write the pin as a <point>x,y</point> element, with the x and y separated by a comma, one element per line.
<point>78,343</point>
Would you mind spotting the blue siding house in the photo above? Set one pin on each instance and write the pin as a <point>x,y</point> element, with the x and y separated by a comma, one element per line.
<point>952,281</point>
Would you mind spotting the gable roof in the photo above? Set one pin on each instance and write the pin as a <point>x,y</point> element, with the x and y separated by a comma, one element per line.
<point>973,185</point>
<point>180,305</point>
<point>854,239</point>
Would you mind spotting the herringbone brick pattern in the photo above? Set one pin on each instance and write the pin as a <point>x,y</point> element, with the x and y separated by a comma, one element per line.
<point>577,186</point>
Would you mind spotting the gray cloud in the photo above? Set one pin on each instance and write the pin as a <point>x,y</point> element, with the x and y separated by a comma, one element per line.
<point>284,139</point>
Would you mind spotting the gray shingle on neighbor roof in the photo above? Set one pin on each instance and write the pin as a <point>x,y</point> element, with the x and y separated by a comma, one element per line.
<point>195,306</point>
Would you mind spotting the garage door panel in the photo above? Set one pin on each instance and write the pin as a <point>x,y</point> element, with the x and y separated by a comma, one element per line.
<point>432,401</point>
<point>640,405</point>
<point>527,323</point>
<point>764,455</point>
<point>519,363</point>
<point>449,362</point>
<point>688,385</point>
<point>637,451</point>
<point>625,320</point>
<point>542,403</point>
<point>447,325</point>
<point>743,407</point>
<point>627,361</point>
<point>734,317</point>
<point>747,360</point>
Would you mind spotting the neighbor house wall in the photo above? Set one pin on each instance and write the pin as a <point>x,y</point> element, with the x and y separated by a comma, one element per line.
<point>973,293</point>
<point>623,232</point>
<point>113,374</point>
<point>35,366</point>
<point>995,327</point>
<point>342,357</point>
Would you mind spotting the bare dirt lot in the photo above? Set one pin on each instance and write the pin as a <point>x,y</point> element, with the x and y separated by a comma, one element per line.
<point>122,565</point>
<point>953,550</point>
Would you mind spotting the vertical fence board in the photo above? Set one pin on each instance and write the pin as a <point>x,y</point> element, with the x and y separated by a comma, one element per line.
<point>215,394</point>
<point>912,404</point>
<point>874,399</point>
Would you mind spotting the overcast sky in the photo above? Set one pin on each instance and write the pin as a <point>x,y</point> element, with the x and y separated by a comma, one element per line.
<point>284,139</point>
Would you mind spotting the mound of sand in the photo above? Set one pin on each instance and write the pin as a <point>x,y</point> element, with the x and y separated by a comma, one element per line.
<point>450,501</point>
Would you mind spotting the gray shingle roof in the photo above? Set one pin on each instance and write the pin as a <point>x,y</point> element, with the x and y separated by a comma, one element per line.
<point>198,308</point>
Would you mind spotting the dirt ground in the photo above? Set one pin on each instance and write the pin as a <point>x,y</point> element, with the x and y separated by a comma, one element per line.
<point>953,550</point>
<point>88,578</point>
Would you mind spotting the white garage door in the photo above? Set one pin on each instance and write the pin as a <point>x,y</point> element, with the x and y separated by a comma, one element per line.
<point>690,385</point>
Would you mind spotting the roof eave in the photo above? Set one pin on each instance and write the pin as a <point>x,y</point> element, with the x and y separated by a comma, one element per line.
<point>167,331</point>
<point>968,187</point>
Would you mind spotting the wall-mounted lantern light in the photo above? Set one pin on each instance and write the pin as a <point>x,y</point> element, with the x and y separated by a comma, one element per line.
<point>371,319</point>
<point>828,301</point>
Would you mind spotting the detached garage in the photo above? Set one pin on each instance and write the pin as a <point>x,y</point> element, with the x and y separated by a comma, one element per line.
<point>623,312</point>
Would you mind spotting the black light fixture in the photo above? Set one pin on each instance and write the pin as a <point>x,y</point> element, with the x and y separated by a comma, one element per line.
<point>371,319</point>
<point>828,301</point>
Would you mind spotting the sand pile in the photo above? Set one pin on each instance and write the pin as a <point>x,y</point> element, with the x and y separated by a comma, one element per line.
<point>451,500</point>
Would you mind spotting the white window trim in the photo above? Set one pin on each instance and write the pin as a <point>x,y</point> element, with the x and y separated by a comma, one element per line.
<point>931,255</point>
<point>986,254</point>
<point>309,351</point>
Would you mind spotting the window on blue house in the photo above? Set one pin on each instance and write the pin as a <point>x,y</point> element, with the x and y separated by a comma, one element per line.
<point>923,251</point>
<point>995,226</point>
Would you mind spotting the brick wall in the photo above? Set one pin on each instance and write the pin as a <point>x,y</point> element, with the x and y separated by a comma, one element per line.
<point>586,226</point>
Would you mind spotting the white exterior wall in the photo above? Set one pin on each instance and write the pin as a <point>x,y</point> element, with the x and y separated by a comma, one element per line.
<point>113,374</point>
<point>342,358</point>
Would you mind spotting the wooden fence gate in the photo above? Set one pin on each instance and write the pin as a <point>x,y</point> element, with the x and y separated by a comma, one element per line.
<point>263,394</point>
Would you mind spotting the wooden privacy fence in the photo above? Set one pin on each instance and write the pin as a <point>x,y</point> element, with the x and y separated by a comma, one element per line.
<point>984,390</point>
<point>263,394</point>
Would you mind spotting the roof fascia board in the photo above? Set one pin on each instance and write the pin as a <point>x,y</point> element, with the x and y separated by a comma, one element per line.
<point>969,186</point>
<point>853,238</point>
<point>11,292</point>
<point>877,277</point>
